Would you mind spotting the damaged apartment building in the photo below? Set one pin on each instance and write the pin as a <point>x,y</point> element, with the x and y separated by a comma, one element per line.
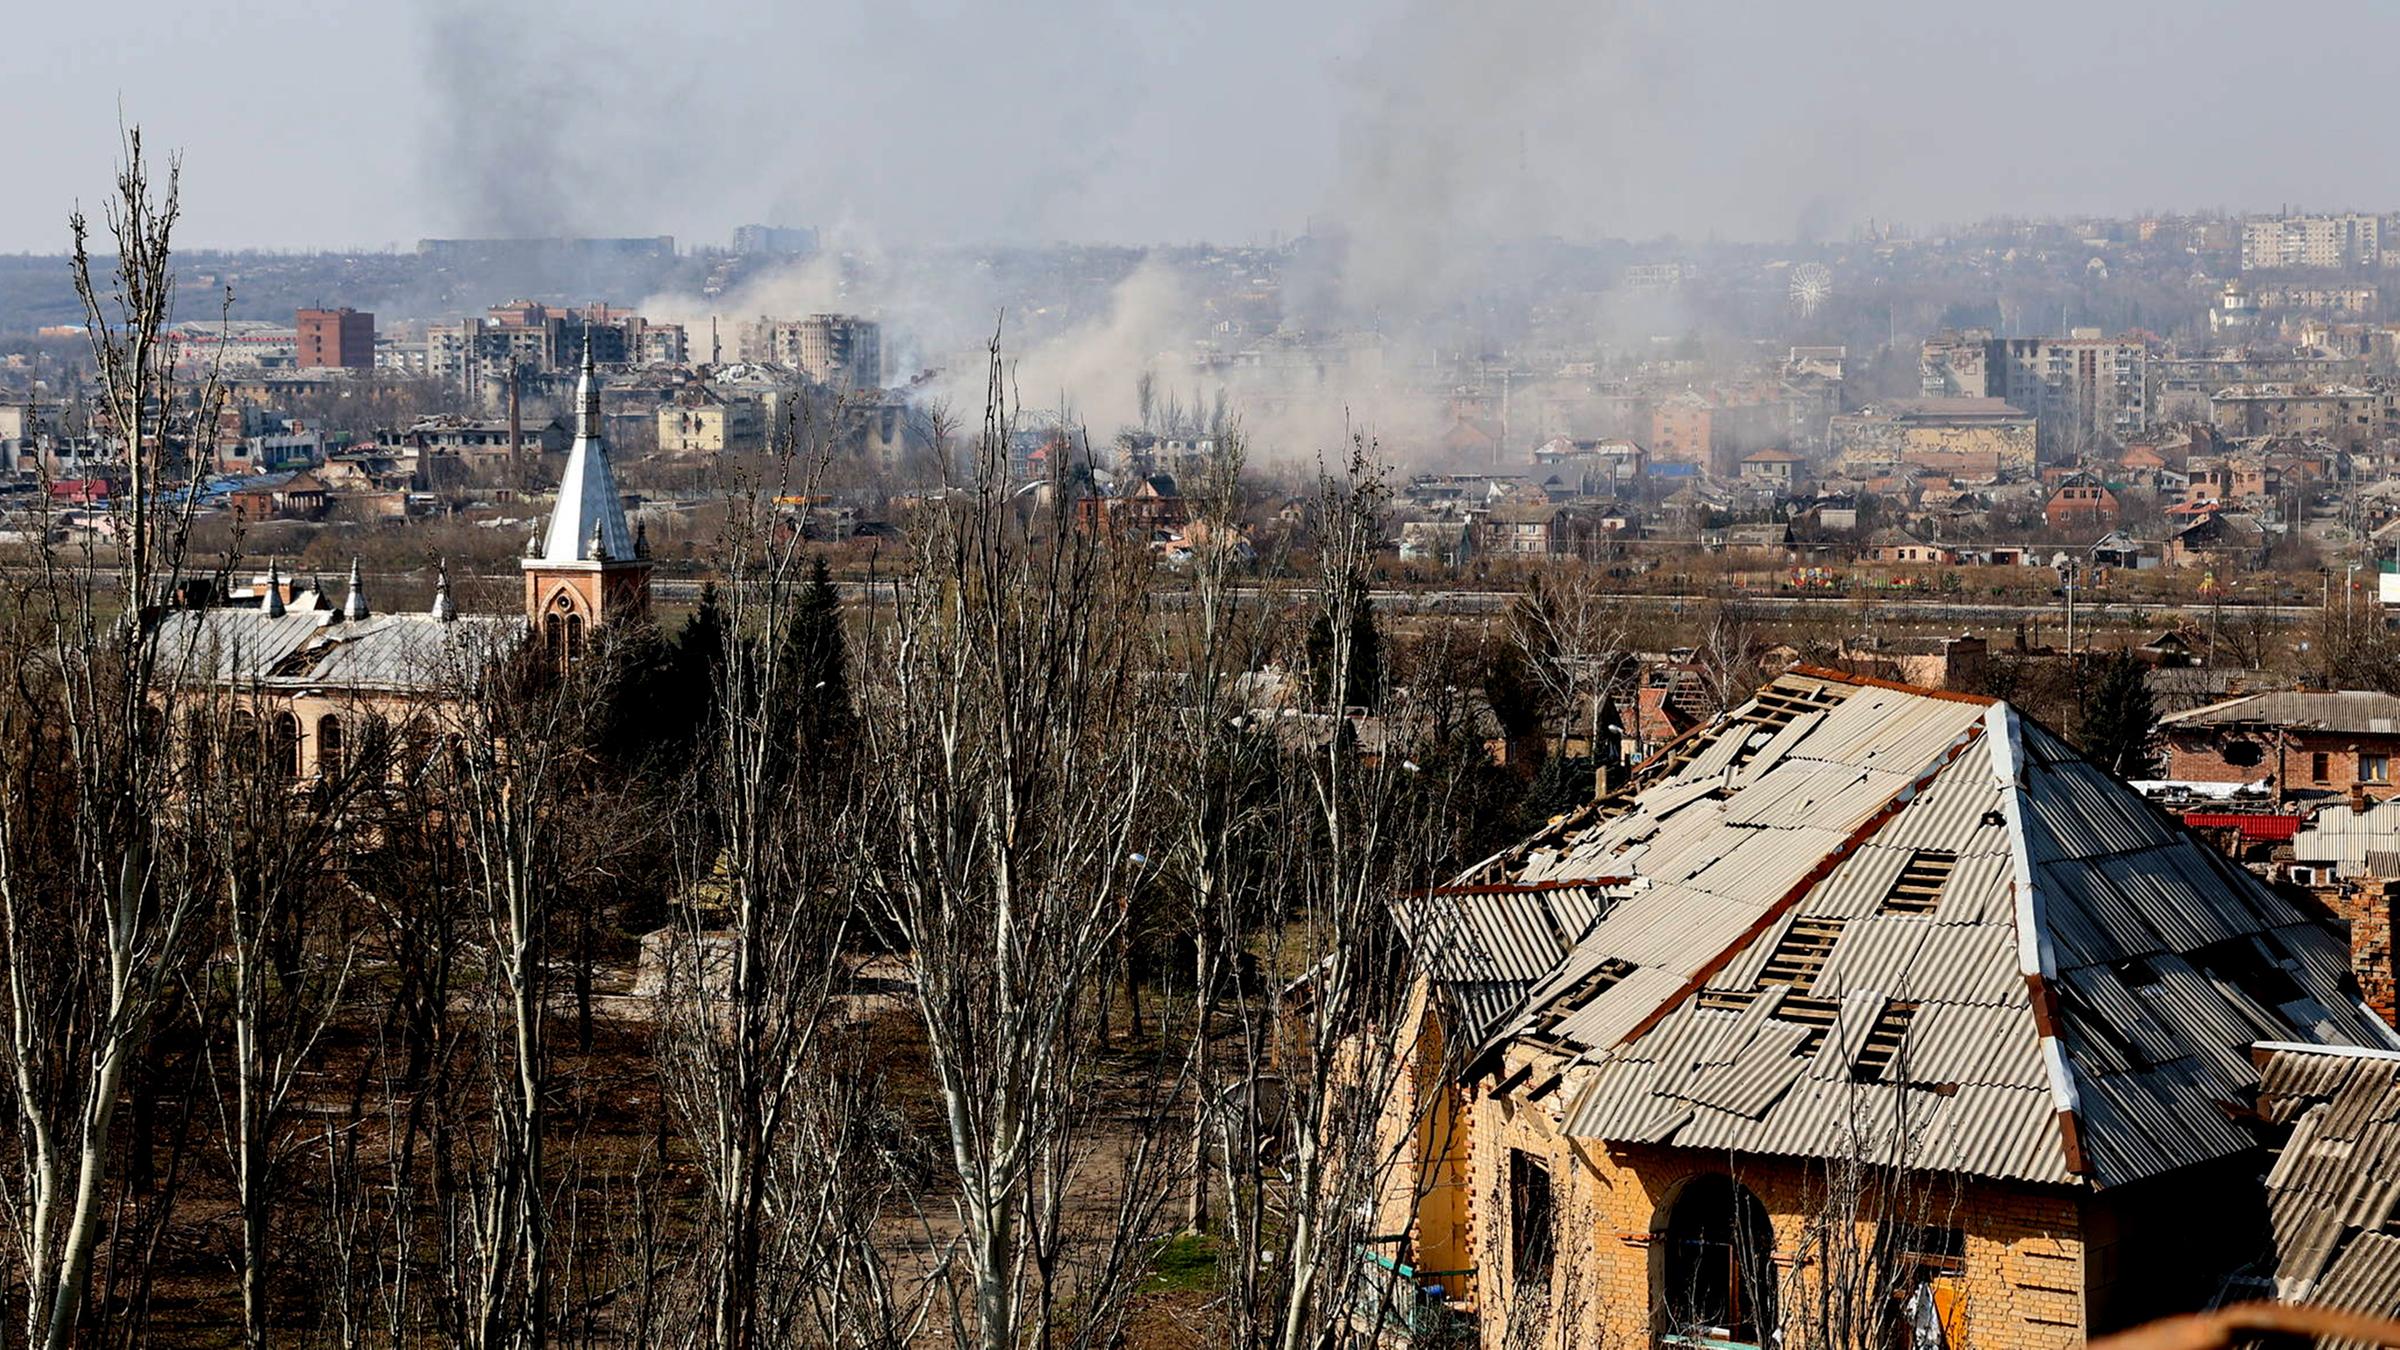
<point>1863,1014</point>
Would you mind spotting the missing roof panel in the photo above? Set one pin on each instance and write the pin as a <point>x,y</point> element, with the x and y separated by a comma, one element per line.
<point>1883,1042</point>
<point>1918,889</point>
<point>1800,957</point>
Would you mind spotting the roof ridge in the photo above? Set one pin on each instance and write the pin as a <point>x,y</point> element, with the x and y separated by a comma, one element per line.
<point>2037,959</point>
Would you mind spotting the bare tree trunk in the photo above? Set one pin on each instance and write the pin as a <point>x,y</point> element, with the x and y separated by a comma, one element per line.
<point>96,920</point>
<point>1012,775</point>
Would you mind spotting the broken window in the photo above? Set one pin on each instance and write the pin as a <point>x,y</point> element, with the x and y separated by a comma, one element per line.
<point>1918,889</point>
<point>1925,1271</point>
<point>1531,1218</point>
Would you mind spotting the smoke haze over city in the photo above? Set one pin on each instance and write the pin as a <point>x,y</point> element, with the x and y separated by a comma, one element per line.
<point>955,122</point>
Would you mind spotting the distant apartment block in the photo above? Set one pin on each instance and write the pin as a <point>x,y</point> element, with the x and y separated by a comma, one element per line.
<point>521,251</point>
<point>534,336</point>
<point>2079,388</point>
<point>1967,437</point>
<point>2345,415</point>
<point>2332,241</point>
<point>773,241</point>
<point>841,351</point>
<point>334,339</point>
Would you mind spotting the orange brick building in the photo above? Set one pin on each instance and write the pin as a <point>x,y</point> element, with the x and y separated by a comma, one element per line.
<point>2304,743</point>
<point>1864,1011</point>
<point>342,339</point>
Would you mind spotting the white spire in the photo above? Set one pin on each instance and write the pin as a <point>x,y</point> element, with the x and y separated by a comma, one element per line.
<point>443,608</point>
<point>274,590</point>
<point>589,508</point>
<point>354,605</point>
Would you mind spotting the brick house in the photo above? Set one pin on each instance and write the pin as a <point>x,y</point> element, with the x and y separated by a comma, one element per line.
<point>2305,743</point>
<point>2082,502</point>
<point>1849,924</point>
<point>1536,531</point>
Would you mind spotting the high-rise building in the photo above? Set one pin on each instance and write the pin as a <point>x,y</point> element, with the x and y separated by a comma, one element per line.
<point>335,339</point>
<point>2080,388</point>
<point>773,241</point>
<point>840,351</point>
<point>2339,241</point>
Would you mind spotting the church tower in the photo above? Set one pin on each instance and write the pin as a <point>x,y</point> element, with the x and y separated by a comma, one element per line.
<point>587,569</point>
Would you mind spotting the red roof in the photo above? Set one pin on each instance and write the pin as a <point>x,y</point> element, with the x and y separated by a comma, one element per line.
<point>2252,826</point>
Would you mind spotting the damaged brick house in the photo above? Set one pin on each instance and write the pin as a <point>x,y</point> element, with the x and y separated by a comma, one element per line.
<point>1851,925</point>
<point>2305,743</point>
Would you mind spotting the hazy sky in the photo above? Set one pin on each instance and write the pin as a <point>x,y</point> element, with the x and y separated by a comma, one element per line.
<point>357,124</point>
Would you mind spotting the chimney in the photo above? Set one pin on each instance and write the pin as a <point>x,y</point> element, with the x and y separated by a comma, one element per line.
<point>2369,903</point>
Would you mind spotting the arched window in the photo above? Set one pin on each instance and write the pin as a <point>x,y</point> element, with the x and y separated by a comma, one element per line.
<point>1716,1264</point>
<point>283,746</point>
<point>574,636</point>
<point>554,640</point>
<point>241,733</point>
<point>329,746</point>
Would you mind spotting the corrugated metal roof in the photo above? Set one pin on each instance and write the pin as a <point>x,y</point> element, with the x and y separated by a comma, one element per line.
<point>2365,1279</point>
<point>316,649</point>
<point>1816,825</point>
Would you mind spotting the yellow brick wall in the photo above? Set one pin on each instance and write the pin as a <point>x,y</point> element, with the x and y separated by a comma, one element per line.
<point>2024,1278</point>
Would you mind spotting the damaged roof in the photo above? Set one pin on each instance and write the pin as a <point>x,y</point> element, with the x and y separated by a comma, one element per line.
<point>2355,711</point>
<point>319,649</point>
<point>2334,1193</point>
<point>1854,917</point>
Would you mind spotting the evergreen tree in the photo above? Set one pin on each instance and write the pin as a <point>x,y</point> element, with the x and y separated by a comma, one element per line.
<point>822,662</point>
<point>1364,689</point>
<point>2118,718</point>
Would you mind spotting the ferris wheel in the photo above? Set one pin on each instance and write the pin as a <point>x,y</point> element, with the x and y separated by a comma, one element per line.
<point>1812,286</point>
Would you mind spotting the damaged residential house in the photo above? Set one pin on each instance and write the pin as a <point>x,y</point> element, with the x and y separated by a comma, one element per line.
<point>1863,1014</point>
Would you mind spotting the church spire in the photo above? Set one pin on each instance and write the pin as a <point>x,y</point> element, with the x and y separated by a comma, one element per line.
<point>354,605</point>
<point>587,397</point>
<point>274,604</point>
<point>444,608</point>
<point>589,509</point>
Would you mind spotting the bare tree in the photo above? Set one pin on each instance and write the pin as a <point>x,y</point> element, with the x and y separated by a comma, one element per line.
<point>516,763</point>
<point>751,1035</point>
<point>97,911</point>
<point>1575,640</point>
<point>1220,789</point>
<point>1323,1044</point>
<point>1013,744</point>
<point>280,962</point>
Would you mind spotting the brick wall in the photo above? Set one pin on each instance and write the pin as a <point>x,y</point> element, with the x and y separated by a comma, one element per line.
<point>2369,904</point>
<point>2200,755</point>
<point>2024,1281</point>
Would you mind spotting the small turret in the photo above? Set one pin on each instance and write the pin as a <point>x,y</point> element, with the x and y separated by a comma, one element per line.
<point>354,605</point>
<point>443,608</point>
<point>274,605</point>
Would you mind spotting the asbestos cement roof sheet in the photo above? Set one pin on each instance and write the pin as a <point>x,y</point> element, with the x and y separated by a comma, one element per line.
<point>1608,1016</point>
<point>2157,955</point>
